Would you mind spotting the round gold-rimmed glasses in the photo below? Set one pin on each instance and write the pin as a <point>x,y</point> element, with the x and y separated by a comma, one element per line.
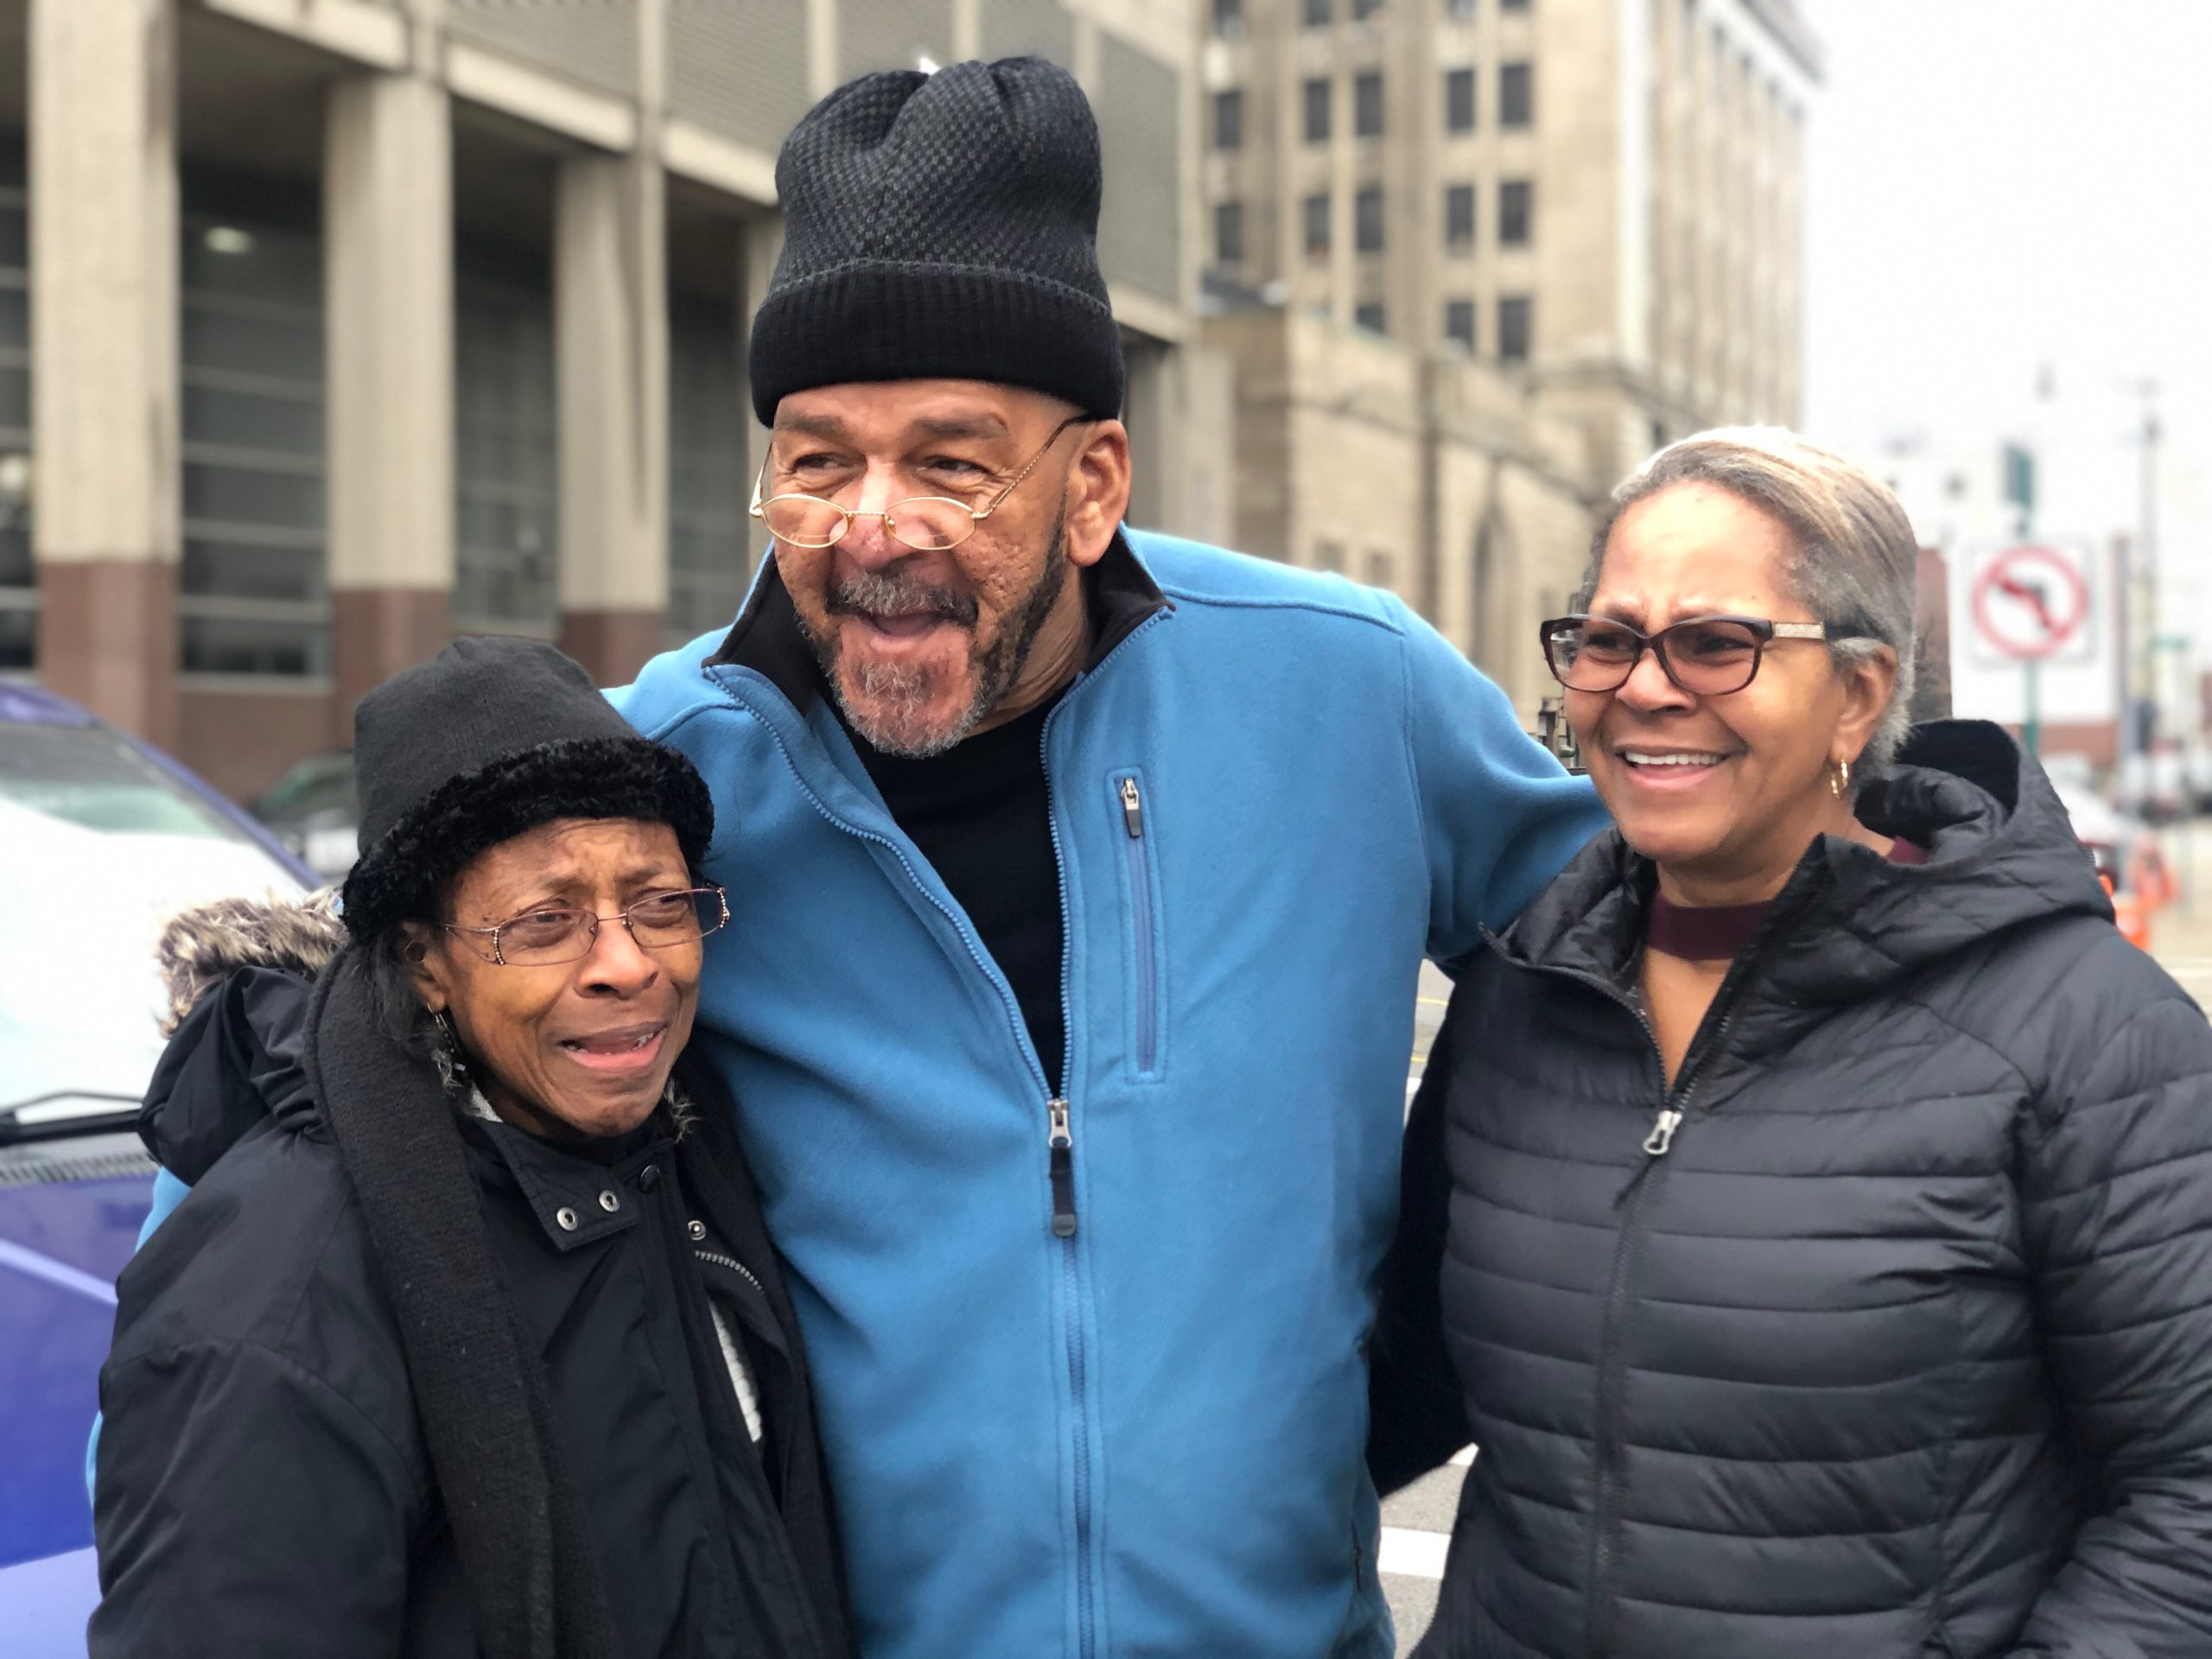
<point>1705,656</point>
<point>928,524</point>
<point>556,933</point>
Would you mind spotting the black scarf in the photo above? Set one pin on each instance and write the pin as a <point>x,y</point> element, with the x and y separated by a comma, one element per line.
<point>528,1558</point>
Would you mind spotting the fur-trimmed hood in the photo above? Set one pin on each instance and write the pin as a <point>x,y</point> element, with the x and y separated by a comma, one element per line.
<point>203,947</point>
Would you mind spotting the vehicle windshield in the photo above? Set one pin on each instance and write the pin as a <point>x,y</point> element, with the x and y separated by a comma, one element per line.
<point>103,847</point>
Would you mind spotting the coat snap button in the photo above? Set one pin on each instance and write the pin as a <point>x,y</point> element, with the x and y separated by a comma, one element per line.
<point>609,1203</point>
<point>649,1178</point>
<point>699,1230</point>
<point>567,1218</point>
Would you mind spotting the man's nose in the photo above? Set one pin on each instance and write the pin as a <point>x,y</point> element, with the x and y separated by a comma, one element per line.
<point>867,540</point>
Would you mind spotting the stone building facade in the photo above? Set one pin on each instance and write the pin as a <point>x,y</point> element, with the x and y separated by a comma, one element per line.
<point>1597,203</point>
<point>331,327</point>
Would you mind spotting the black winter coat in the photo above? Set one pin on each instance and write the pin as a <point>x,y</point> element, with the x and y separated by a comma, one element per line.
<point>1903,1347</point>
<point>262,1482</point>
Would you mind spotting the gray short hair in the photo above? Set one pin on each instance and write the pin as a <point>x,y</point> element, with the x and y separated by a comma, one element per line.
<point>1857,558</point>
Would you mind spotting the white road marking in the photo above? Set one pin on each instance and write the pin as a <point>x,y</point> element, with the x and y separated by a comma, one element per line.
<point>1412,1554</point>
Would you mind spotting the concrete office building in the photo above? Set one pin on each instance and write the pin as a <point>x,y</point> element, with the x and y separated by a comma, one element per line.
<point>1601,197</point>
<point>331,327</point>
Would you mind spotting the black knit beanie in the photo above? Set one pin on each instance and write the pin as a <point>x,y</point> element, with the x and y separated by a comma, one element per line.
<point>489,739</point>
<point>942,226</point>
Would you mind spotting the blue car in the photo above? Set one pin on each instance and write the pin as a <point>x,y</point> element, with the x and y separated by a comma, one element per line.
<point>102,839</point>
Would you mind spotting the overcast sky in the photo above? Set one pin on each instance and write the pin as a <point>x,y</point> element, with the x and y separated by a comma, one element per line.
<point>1997,184</point>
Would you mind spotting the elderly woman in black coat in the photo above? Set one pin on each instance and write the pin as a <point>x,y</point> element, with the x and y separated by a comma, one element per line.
<point>468,1339</point>
<point>1808,1203</point>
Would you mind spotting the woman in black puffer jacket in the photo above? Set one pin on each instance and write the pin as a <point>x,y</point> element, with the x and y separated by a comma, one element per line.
<point>1808,1208</point>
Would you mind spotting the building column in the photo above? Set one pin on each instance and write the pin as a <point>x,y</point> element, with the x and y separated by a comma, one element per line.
<point>104,274</point>
<point>760,244</point>
<point>388,288</point>
<point>610,294</point>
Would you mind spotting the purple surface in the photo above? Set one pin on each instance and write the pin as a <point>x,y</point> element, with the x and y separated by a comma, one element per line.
<point>44,1604</point>
<point>64,1243</point>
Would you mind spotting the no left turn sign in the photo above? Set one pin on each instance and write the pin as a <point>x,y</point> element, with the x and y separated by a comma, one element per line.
<point>2029,600</point>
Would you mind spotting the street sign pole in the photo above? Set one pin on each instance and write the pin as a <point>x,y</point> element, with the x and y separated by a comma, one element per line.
<point>2031,727</point>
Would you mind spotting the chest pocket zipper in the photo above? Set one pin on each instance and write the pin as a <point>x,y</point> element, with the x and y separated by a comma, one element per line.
<point>1145,982</point>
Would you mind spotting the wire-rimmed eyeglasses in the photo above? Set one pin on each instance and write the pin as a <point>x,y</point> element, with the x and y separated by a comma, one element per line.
<point>928,524</point>
<point>555,933</point>
<point>1705,656</point>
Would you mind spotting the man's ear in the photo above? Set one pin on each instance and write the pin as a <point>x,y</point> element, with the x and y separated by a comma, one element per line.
<point>1098,492</point>
<point>425,966</point>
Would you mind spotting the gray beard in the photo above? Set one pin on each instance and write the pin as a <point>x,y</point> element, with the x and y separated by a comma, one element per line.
<point>897,693</point>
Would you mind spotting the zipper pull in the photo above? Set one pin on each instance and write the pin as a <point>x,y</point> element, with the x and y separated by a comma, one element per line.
<point>1663,1133</point>
<point>1062,1141</point>
<point>1132,809</point>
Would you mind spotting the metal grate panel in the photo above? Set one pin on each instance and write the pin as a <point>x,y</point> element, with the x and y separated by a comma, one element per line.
<point>738,67</point>
<point>1139,101</point>
<point>594,42</point>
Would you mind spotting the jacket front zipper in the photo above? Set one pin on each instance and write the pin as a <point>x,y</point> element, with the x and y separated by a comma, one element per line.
<point>1675,1099</point>
<point>1141,927</point>
<point>1060,1137</point>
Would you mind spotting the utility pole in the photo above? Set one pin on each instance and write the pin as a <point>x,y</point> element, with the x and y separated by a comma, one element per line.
<point>2139,578</point>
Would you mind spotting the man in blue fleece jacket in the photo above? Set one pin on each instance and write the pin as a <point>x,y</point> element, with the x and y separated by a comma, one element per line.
<point>1081,879</point>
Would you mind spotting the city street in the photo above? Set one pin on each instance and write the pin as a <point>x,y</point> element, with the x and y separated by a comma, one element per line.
<point>1417,1523</point>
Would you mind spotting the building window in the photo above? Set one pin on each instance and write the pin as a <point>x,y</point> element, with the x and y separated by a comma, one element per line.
<point>1319,13</point>
<point>1368,315</point>
<point>1329,556</point>
<point>1459,218</point>
<point>1513,203</point>
<point>1316,216</point>
<point>1460,323</point>
<point>1363,10</point>
<point>1459,101</point>
<point>1459,12</point>
<point>1513,328</point>
<point>18,581</point>
<point>1228,19</point>
<point>1367,220</point>
<point>709,416</point>
<point>1367,104</point>
<point>1228,119</point>
<point>1318,103</point>
<point>1228,233</point>
<point>1516,100</point>
<point>253,593</point>
<point>1513,5</point>
<point>507,466</point>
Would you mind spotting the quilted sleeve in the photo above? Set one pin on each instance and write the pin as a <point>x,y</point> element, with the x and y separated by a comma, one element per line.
<point>2116,1186</point>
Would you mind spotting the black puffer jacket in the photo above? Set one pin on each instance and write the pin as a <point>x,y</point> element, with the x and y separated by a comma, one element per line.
<point>1904,1347</point>
<point>263,1484</point>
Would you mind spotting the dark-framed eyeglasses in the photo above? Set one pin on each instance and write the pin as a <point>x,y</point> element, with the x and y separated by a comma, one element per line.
<point>556,933</point>
<point>1705,656</point>
<point>928,524</point>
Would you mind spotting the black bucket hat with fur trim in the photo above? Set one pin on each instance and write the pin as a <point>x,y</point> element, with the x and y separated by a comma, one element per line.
<point>490,738</point>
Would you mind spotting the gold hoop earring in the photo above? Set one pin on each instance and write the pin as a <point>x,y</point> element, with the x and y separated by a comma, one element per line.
<point>1840,780</point>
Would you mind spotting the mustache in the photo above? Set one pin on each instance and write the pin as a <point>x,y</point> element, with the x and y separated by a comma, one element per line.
<point>885,593</point>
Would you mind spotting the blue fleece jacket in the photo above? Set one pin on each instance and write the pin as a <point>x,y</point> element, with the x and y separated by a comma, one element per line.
<point>1107,1397</point>
<point>1126,1418</point>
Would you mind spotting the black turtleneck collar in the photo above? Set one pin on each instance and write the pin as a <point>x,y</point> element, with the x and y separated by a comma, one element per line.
<point>1118,595</point>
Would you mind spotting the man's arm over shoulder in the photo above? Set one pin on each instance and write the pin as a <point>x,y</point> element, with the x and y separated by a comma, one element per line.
<point>1499,815</point>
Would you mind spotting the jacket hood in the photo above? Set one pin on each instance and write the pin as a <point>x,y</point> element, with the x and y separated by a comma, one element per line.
<point>2001,854</point>
<point>239,973</point>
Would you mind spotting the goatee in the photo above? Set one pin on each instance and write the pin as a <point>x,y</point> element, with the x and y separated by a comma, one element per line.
<point>887,703</point>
